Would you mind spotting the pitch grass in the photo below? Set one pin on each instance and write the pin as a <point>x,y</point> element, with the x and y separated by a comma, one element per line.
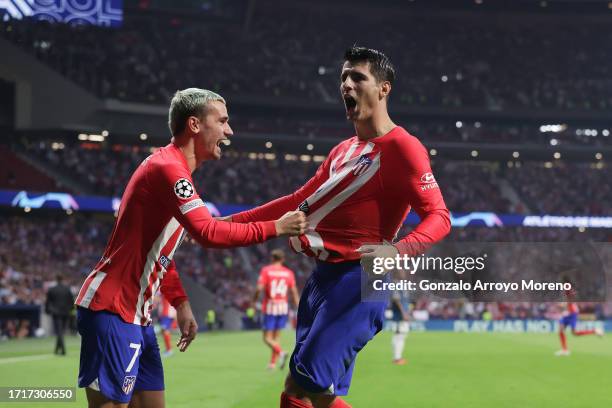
<point>443,370</point>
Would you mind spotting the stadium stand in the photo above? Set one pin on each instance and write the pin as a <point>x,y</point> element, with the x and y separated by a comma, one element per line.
<point>488,63</point>
<point>16,174</point>
<point>237,179</point>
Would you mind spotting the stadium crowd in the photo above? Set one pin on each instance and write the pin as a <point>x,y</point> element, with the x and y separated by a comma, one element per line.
<point>449,130</point>
<point>564,189</point>
<point>71,244</point>
<point>493,64</point>
<point>569,188</point>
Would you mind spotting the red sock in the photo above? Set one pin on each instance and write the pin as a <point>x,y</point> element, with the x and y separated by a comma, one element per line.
<point>167,340</point>
<point>273,358</point>
<point>287,401</point>
<point>339,403</point>
<point>583,332</point>
<point>277,349</point>
<point>563,342</point>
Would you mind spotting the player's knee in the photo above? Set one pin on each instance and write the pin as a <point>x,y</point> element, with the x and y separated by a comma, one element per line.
<point>322,400</point>
<point>293,388</point>
<point>95,399</point>
<point>147,399</point>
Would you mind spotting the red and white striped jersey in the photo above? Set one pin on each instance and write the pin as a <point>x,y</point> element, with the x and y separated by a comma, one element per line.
<point>158,205</point>
<point>361,194</point>
<point>276,280</point>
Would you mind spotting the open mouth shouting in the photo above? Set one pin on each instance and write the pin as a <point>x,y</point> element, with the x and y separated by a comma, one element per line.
<point>223,143</point>
<point>351,104</point>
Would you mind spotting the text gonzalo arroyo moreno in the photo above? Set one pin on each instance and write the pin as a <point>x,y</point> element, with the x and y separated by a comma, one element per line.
<point>458,265</point>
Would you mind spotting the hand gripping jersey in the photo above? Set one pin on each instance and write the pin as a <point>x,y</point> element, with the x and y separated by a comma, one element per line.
<point>361,194</point>
<point>276,281</point>
<point>159,205</point>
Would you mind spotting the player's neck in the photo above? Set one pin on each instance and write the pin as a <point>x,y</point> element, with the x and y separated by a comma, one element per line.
<point>375,126</point>
<point>188,150</point>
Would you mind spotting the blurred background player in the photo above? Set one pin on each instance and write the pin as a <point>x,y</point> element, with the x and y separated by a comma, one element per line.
<point>275,282</point>
<point>400,308</point>
<point>167,322</point>
<point>570,318</point>
<point>211,319</point>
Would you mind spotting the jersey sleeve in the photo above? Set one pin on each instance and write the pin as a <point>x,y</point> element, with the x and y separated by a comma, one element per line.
<point>276,208</point>
<point>173,185</point>
<point>423,193</point>
<point>172,288</point>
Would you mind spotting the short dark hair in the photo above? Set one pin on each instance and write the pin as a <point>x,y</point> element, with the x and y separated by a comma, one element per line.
<point>380,65</point>
<point>278,255</point>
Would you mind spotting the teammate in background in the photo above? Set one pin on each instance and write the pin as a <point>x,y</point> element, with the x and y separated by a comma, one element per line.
<point>400,307</point>
<point>570,318</point>
<point>167,320</point>
<point>275,281</point>
<point>120,359</point>
<point>360,195</point>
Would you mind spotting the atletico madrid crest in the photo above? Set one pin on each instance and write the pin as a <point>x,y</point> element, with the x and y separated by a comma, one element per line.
<point>362,165</point>
<point>128,384</point>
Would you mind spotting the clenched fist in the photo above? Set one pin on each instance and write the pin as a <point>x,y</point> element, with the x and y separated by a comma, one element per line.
<point>292,223</point>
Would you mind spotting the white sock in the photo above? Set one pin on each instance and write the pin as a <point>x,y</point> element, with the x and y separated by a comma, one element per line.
<point>397,341</point>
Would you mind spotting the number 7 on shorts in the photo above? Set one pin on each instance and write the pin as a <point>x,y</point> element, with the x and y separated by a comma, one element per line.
<point>135,346</point>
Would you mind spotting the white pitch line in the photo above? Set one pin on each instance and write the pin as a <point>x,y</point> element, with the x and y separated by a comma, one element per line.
<point>25,358</point>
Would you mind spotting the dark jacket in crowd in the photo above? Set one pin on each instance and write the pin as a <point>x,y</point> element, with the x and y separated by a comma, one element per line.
<point>59,300</point>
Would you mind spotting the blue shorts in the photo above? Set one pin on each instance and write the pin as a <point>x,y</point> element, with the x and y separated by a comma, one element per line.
<point>333,325</point>
<point>117,358</point>
<point>274,322</point>
<point>570,320</point>
<point>166,322</point>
